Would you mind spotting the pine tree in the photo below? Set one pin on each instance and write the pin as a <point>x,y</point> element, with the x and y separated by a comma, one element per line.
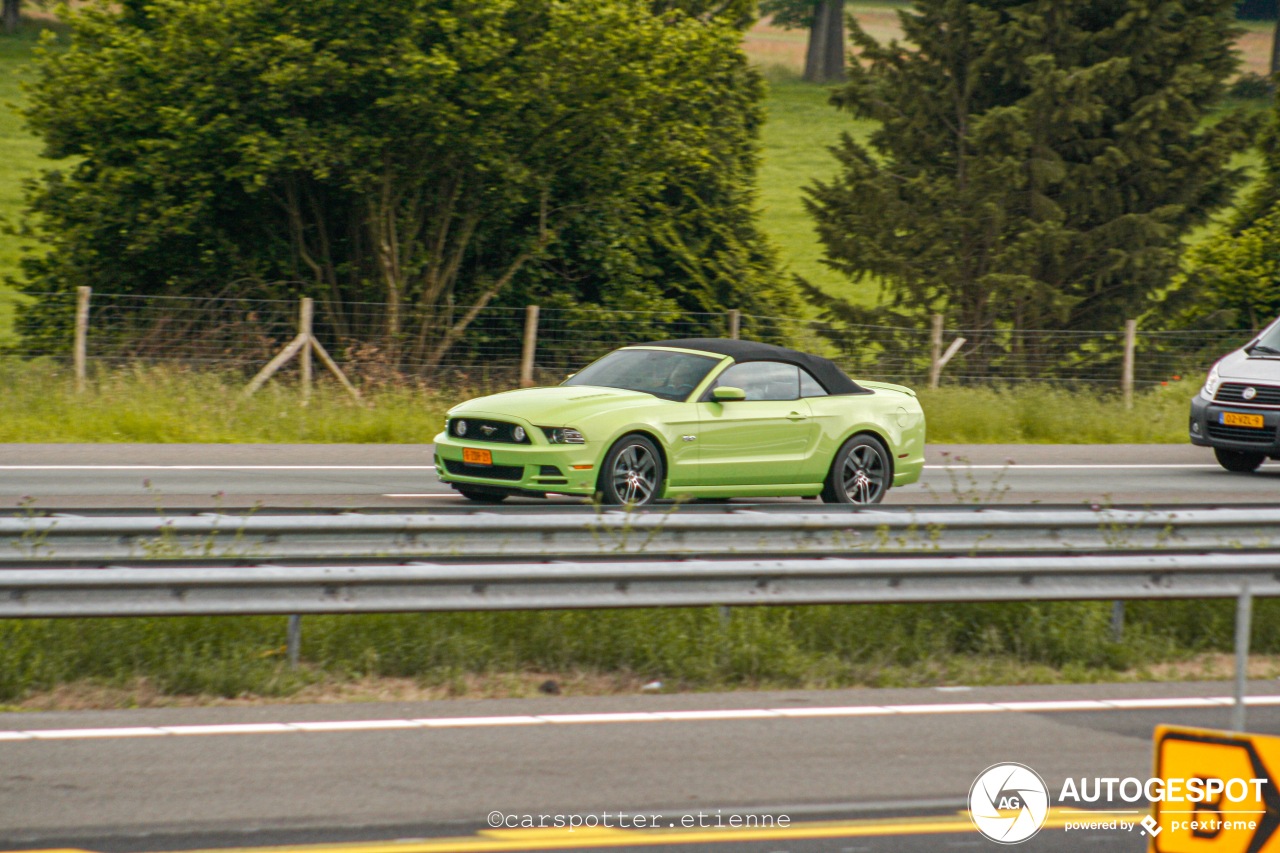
<point>1038,162</point>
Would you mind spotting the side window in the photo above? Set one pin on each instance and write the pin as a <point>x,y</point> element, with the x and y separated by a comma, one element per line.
<point>764,380</point>
<point>810,387</point>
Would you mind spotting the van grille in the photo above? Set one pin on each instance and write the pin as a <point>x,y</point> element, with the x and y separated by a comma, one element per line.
<point>1233,392</point>
<point>1245,435</point>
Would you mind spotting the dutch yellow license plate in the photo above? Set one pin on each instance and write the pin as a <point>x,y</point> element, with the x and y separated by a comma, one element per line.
<point>1241,420</point>
<point>484,457</point>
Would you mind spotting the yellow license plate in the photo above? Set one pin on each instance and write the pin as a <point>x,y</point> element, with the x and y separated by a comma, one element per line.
<point>1238,419</point>
<point>484,457</point>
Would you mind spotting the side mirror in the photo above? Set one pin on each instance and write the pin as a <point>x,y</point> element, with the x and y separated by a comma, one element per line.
<point>727,393</point>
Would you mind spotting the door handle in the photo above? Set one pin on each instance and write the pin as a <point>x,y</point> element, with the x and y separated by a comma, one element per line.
<point>796,416</point>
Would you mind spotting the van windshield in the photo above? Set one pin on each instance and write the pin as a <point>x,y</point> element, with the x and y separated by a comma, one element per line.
<point>1268,344</point>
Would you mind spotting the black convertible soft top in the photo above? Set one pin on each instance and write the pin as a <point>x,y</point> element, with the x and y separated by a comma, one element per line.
<point>824,370</point>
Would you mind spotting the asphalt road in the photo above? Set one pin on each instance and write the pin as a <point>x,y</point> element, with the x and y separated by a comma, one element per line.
<point>183,476</point>
<point>291,774</point>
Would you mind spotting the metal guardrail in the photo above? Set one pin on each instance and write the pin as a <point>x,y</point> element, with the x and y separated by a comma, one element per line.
<point>371,588</point>
<point>508,561</point>
<point>79,540</point>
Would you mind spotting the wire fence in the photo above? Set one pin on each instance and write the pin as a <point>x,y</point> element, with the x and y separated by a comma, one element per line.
<point>499,345</point>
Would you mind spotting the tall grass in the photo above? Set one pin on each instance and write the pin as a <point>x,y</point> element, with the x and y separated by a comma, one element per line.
<point>163,404</point>
<point>1030,414</point>
<point>692,649</point>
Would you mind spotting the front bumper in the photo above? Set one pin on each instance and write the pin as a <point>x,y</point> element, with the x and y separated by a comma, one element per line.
<point>519,468</point>
<point>1206,429</point>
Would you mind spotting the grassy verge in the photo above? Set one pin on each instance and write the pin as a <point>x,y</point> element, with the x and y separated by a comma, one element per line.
<point>172,405</point>
<point>156,660</point>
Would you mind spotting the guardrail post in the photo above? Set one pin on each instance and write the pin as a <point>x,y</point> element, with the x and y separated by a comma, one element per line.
<point>1126,378</point>
<point>1244,619</point>
<point>80,350</point>
<point>530,346</point>
<point>294,642</point>
<point>304,330</point>
<point>735,323</point>
<point>1117,621</point>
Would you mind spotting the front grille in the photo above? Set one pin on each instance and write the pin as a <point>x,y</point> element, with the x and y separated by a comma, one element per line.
<point>1245,435</point>
<point>488,472</point>
<point>483,430</point>
<point>1233,392</point>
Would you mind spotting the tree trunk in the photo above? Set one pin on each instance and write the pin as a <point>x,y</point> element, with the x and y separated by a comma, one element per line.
<point>824,60</point>
<point>10,14</point>
<point>1275,44</point>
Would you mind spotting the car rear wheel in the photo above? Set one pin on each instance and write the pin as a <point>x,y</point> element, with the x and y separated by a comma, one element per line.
<point>484,496</point>
<point>632,473</point>
<point>1240,461</point>
<point>859,473</point>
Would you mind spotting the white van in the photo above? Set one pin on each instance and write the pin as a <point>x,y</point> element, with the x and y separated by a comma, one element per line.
<point>1238,409</point>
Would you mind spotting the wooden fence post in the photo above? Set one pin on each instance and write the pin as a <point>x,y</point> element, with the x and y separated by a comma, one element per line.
<point>530,346</point>
<point>1126,379</point>
<point>80,351</point>
<point>305,317</point>
<point>303,346</point>
<point>935,351</point>
<point>735,323</point>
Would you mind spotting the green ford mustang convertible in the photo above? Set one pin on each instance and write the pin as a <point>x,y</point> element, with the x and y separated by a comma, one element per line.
<point>698,418</point>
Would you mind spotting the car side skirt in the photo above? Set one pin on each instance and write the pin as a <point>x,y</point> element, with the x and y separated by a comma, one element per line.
<point>790,490</point>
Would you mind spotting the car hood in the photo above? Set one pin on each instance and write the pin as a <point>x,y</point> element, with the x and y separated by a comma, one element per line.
<point>1239,366</point>
<point>556,406</point>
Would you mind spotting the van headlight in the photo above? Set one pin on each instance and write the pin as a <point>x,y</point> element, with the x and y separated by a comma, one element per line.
<point>1211,384</point>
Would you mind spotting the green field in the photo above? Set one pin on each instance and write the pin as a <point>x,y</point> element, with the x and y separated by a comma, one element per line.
<point>802,126</point>
<point>19,160</point>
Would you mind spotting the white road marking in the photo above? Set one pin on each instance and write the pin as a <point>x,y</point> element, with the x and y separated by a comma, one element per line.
<point>217,467</point>
<point>449,495</point>
<point>1029,707</point>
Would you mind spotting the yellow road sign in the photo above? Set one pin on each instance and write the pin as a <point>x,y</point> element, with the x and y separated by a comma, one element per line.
<point>1218,792</point>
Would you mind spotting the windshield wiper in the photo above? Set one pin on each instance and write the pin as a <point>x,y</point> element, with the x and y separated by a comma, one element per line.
<point>1264,349</point>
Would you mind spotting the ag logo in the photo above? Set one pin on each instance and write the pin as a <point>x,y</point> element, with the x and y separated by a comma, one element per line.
<point>1008,803</point>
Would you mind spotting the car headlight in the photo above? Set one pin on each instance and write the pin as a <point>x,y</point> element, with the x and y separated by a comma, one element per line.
<point>563,435</point>
<point>518,434</point>
<point>1211,384</point>
<point>459,427</point>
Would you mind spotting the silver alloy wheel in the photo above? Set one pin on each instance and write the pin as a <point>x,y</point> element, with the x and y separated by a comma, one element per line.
<point>635,474</point>
<point>863,474</point>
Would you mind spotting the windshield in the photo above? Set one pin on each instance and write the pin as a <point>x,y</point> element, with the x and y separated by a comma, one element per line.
<point>667,374</point>
<point>1268,344</point>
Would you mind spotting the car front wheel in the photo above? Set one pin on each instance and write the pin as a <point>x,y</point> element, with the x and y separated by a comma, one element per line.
<point>632,472</point>
<point>1240,461</point>
<point>859,473</point>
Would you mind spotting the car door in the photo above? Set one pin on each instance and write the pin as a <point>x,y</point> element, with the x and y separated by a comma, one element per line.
<point>762,440</point>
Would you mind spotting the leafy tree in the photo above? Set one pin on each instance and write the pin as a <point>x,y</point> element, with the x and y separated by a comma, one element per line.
<point>1038,162</point>
<point>824,19</point>
<point>431,155</point>
<point>1235,278</point>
